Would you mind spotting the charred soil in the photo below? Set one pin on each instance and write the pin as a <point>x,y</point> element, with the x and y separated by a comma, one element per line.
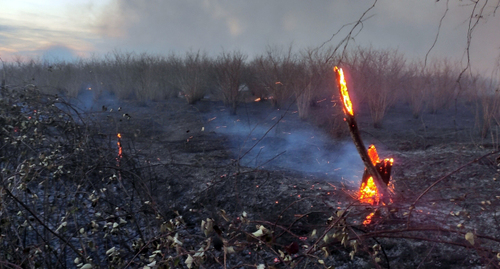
<point>212,162</point>
<point>197,187</point>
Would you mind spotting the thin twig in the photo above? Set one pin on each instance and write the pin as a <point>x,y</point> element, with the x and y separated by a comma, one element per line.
<point>42,223</point>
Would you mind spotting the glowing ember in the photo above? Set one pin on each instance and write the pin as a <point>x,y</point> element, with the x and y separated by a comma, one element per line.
<point>257,100</point>
<point>368,219</point>
<point>343,90</point>
<point>119,143</point>
<point>118,159</point>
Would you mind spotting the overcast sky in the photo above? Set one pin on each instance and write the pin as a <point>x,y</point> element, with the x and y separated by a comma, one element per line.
<point>65,29</point>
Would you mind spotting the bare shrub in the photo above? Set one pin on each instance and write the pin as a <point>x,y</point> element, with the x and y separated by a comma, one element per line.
<point>192,75</point>
<point>275,73</point>
<point>487,104</point>
<point>147,77</point>
<point>228,68</point>
<point>251,77</point>
<point>443,87</point>
<point>302,89</point>
<point>314,79</point>
<point>122,81</point>
<point>416,83</point>
<point>165,78</point>
<point>58,77</point>
<point>376,77</point>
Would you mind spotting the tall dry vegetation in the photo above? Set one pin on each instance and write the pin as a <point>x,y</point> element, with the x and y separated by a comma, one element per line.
<point>379,79</point>
<point>228,70</point>
<point>317,78</point>
<point>443,87</point>
<point>416,85</point>
<point>487,105</point>
<point>276,69</point>
<point>192,75</point>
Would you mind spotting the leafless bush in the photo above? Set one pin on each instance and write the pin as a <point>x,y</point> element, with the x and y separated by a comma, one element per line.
<point>192,75</point>
<point>251,77</point>
<point>416,84</point>
<point>314,79</point>
<point>376,78</point>
<point>275,74</point>
<point>228,70</point>
<point>487,104</point>
<point>443,87</point>
<point>121,80</point>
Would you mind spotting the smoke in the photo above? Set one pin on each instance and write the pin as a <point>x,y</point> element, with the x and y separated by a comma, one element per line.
<point>279,140</point>
<point>90,100</point>
<point>250,26</point>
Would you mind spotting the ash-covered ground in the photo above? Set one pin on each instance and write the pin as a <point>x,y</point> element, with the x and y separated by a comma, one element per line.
<point>287,172</point>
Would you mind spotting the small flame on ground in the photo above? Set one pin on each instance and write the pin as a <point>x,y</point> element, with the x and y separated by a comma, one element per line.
<point>120,152</point>
<point>368,192</point>
<point>257,100</point>
<point>119,143</point>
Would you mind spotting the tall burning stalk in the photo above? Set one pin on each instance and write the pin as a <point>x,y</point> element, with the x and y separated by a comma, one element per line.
<point>371,170</point>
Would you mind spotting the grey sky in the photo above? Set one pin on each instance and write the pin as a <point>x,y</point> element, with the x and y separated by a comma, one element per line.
<point>165,26</point>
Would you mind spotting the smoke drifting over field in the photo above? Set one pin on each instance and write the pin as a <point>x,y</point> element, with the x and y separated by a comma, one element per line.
<point>279,140</point>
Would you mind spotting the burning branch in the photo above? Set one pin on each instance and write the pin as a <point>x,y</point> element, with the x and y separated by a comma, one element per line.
<point>371,170</point>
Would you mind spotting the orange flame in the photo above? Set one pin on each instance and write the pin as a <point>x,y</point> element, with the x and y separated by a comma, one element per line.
<point>119,143</point>
<point>368,219</point>
<point>368,192</point>
<point>343,90</point>
<point>372,153</point>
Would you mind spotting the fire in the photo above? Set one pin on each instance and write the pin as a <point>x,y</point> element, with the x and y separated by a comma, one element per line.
<point>368,219</point>
<point>120,152</point>
<point>119,143</point>
<point>343,90</point>
<point>372,153</point>
<point>368,192</point>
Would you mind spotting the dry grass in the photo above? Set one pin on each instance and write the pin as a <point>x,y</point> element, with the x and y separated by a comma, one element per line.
<point>379,79</point>
<point>443,87</point>
<point>487,105</point>
<point>228,77</point>
<point>107,211</point>
<point>277,69</point>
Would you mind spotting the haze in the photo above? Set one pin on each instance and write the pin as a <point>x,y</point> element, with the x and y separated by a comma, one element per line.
<point>65,30</point>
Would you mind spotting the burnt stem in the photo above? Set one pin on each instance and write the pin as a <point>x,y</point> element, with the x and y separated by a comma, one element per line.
<point>356,138</point>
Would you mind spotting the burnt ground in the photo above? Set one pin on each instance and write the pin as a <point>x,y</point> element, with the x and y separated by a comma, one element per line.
<point>206,163</point>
